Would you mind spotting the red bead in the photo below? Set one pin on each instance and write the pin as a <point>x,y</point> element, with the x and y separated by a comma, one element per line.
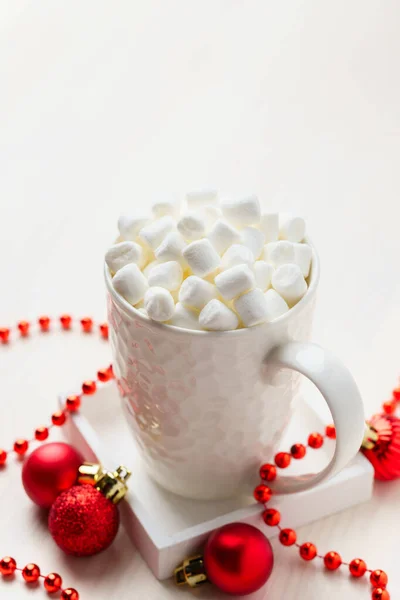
<point>104,330</point>
<point>103,375</point>
<point>52,583</point>
<point>72,403</point>
<point>282,460</point>
<point>66,321</point>
<point>69,594</point>
<point>389,407</point>
<point>268,472</point>
<point>262,493</point>
<point>308,551</point>
<point>298,451</point>
<point>272,517</point>
<point>21,446</point>
<point>41,434</point>
<point>315,440</point>
<point>332,561</point>
<point>58,418</point>
<point>87,324</point>
<point>380,594</point>
<point>396,393</point>
<point>89,387</point>
<point>287,537</point>
<point>3,457</point>
<point>378,578</point>
<point>44,323</point>
<point>31,573</point>
<point>330,432</point>
<point>4,334</point>
<point>7,566</point>
<point>238,559</point>
<point>23,327</point>
<point>357,567</point>
<point>50,470</point>
<point>110,368</point>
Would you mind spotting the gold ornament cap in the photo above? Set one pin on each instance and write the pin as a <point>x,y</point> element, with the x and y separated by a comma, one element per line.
<point>90,473</point>
<point>191,572</point>
<point>370,437</point>
<point>113,484</point>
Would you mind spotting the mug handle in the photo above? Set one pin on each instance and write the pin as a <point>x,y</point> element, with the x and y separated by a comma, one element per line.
<point>340,392</point>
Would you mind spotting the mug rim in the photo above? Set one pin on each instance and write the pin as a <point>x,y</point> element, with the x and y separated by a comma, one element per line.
<point>133,312</point>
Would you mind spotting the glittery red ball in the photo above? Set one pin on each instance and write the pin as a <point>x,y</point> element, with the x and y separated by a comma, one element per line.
<point>82,521</point>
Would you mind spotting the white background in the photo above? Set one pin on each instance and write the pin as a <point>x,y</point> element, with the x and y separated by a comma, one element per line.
<point>104,105</point>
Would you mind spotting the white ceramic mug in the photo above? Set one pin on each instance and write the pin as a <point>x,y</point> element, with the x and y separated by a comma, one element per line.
<point>208,408</point>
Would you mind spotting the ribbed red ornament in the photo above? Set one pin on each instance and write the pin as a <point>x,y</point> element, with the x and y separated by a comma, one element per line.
<point>385,455</point>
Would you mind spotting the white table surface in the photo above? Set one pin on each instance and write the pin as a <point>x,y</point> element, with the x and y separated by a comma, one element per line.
<point>105,104</point>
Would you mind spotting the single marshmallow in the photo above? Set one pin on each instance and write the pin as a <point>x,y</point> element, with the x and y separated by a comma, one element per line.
<point>245,211</point>
<point>279,253</point>
<point>168,275</point>
<point>252,308</point>
<point>235,281</point>
<point>171,247</point>
<point>130,283</point>
<point>210,214</point>
<point>162,209</point>
<point>302,257</point>
<point>201,257</point>
<point>154,233</point>
<point>289,282</point>
<point>263,274</point>
<point>192,226</point>
<point>130,226</point>
<point>276,306</point>
<point>196,292</point>
<point>159,304</point>
<point>237,255</point>
<point>269,224</point>
<point>222,235</point>
<point>216,316</point>
<point>292,229</point>
<point>184,317</point>
<point>200,198</point>
<point>253,239</point>
<point>122,254</point>
<point>148,268</point>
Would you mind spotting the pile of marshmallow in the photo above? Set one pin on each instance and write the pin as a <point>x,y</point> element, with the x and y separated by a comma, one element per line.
<point>215,267</point>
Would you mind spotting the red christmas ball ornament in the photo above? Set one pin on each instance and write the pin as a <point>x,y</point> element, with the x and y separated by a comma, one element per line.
<point>381,446</point>
<point>238,559</point>
<point>50,470</point>
<point>84,520</point>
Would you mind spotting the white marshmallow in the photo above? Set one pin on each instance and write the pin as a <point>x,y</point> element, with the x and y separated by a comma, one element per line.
<point>269,224</point>
<point>210,214</point>
<point>192,226</point>
<point>216,316</point>
<point>162,209</point>
<point>237,255</point>
<point>130,226</point>
<point>254,240</point>
<point>148,268</point>
<point>289,282</point>
<point>123,254</point>
<point>245,211</point>
<point>263,274</point>
<point>276,306</point>
<point>154,233</point>
<point>222,235</point>
<point>168,275</point>
<point>279,253</point>
<point>184,317</point>
<point>201,257</point>
<point>252,308</point>
<point>292,229</point>
<point>159,304</point>
<point>200,198</point>
<point>171,247</point>
<point>302,257</point>
<point>196,292</point>
<point>130,283</point>
<point>235,281</point>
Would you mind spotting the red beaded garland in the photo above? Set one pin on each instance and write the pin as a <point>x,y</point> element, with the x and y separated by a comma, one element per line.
<point>72,403</point>
<point>21,446</point>
<point>308,551</point>
<point>89,387</point>
<point>3,457</point>
<point>357,567</point>
<point>87,324</point>
<point>65,321</point>
<point>4,334</point>
<point>268,472</point>
<point>7,566</point>
<point>298,451</point>
<point>272,517</point>
<point>58,418</point>
<point>262,493</point>
<point>389,407</point>
<point>380,594</point>
<point>332,561</point>
<point>396,394</point>
<point>23,327</point>
<point>69,594</point>
<point>282,460</point>
<point>52,583</point>
<point>31,573</point>
<point>103,327</point>
<point>378,578</point>
<point>44,323</point>
<point>287,537</point>
<point>315,440</point>
<point>104,375</point>
<point>41,434</point>
<point>330,431</point>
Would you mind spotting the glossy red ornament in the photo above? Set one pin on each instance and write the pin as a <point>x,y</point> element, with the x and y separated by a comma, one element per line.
<point>298,451</point>
<point>357,567</point>
<point>268,472</point>
<point>52,583</point>
<point>69,594</point>
<point>7,566</point>
<point>385,455</point>
<point>308,551</point>
<point>282,459</point>
<point>82,521</point>
<point>315,440</point>
<point>50,470</point>
<point>31,573</point>
<point>380,594</point>
<point>272,517</point>
<point>378,578</point>
<point>21,446</point>
<point>23,327</point>
<point>238,559</point>
<point>262,493</point>
<point>332,561</point>
<point>287,537</point>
